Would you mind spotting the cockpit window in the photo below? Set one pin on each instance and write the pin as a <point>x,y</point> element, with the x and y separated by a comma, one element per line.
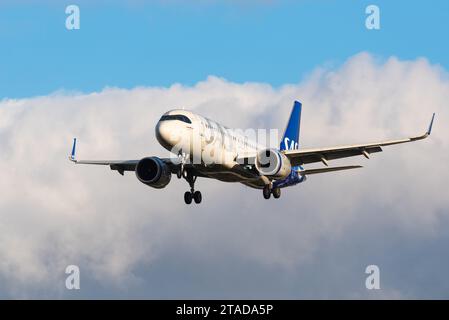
<point>179,117</point>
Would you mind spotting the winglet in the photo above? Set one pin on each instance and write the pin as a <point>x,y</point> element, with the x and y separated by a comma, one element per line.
<point>72,156</point>
<point>430,125</point>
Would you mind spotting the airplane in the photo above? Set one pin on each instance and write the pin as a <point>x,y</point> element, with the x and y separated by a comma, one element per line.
<point>241,158</point>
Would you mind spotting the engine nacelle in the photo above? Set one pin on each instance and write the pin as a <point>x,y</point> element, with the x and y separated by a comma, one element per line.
<point>153,172</point>
<point>273,164</point>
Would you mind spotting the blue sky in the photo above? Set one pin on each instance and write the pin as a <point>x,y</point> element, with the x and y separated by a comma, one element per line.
<point>152,43</point>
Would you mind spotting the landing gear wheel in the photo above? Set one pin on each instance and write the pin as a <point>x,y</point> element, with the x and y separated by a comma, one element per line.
<point>266,192</point>
<point>188,197</point>
<point>197,197</point>
<point>276,193</point>
<point>192,195</point>
<point>179,173</point>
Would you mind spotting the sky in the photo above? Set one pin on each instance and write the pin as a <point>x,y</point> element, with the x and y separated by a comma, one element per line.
<point>109,82</point>
<point>158,43</point>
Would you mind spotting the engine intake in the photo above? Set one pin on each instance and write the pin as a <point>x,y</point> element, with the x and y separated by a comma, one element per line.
<point>273,164</point>
<point>153,172</point>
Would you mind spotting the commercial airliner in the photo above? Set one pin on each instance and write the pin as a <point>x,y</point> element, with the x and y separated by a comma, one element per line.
<point>204,148</point>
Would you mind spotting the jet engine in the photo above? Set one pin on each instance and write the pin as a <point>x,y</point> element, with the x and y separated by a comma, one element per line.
<point>273,164</point>
<point>153,172</point>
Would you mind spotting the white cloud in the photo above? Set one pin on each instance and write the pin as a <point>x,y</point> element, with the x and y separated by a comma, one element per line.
<point>53,213</point>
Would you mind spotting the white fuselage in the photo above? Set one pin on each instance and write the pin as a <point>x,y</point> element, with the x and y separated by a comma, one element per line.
<point>212,148</point>
<point>204,141</point>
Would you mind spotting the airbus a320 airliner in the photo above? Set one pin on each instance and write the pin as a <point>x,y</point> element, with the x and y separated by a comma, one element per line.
<point>195,142</point>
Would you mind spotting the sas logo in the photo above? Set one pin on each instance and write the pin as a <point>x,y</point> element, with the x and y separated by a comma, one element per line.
<point>290,145</point>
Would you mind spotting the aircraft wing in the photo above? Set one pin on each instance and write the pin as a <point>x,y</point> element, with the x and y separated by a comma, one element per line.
<point>304,156</point>
<point>120,165</point>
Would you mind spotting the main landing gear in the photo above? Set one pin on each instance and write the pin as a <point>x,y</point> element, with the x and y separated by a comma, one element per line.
<point>267,191</point>
<point>192,194</point>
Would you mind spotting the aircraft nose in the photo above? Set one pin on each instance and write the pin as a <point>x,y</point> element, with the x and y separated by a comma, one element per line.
<point>166,134</point>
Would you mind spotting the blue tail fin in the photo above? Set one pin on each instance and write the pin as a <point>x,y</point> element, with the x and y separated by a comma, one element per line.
<point>290,140</point>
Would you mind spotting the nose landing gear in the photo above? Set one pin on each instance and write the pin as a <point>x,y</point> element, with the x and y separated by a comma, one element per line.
<point>192,194</point>
<point>181,171</point>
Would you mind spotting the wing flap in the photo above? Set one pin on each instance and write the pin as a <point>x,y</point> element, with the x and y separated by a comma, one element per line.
<point>328,169</point>
<point>318,155</point>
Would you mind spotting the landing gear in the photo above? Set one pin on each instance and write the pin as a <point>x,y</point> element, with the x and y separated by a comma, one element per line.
<point>267,191</point>
<point>276,192</point>
<point>181,171</point>
<point>192,194</point>
<point>188,197</point>
<point>197,197</point>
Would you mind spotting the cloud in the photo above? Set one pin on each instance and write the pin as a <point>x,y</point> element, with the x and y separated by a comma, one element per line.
<point>132,240</point>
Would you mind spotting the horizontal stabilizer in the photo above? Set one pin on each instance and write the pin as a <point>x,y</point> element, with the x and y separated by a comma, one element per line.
<point>328,169</point>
